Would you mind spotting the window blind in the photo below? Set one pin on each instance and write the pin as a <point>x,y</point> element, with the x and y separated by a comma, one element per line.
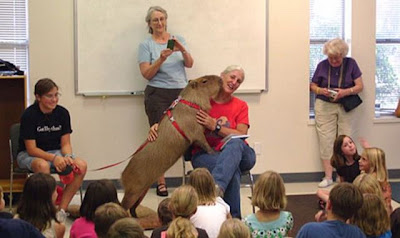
<point>14,40</point>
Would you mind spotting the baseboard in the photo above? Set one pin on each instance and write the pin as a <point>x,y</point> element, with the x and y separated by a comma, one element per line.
<point>174,182</point>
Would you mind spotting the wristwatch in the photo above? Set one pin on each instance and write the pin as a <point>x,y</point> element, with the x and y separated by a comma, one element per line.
<point>217,128</point>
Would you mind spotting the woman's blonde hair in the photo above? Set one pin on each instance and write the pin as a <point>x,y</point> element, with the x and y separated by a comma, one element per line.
<point>377,163</point>
<point>234,228</point>
<point>269,192</point>
<point>181,228</point>
<point>372,218</point>
<point>204,183</point>
<point>367,183</point>
<point>184,201</point>
<point>336,47</point>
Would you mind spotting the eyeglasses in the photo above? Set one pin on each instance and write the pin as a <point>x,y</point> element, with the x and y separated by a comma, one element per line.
<point>156,20</point>
<point>51,96</point>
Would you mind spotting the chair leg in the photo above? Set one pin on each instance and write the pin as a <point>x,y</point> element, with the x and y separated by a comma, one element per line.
<point>80,191</point>
<point>10,197</point>
<point>184,171</point>
<point>251,188</point>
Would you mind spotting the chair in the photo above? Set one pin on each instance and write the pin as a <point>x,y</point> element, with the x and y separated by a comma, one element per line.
<point>249,184</point>
<point>13,143</point>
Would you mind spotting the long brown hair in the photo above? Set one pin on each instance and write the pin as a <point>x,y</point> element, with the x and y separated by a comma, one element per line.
<point>338,159</point>
<point>372,218</point>
<point>203,182</point>
<point>36,205</point>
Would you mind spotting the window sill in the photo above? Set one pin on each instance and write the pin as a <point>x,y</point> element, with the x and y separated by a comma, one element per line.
<point>386,120</point>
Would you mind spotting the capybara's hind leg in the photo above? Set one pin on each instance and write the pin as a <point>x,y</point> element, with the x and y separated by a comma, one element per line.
<point>137,203</point>
<point>129,199</point>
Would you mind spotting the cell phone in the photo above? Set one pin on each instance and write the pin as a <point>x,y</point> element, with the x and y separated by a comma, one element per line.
<point>171,44</point>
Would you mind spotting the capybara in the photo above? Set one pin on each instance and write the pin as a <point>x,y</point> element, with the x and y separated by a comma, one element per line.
<point>155,158</point>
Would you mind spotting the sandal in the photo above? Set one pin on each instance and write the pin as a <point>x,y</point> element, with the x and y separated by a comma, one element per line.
<point>162,190</point>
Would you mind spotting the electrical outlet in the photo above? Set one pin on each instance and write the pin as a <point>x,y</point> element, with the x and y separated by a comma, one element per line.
<point>257,148</point>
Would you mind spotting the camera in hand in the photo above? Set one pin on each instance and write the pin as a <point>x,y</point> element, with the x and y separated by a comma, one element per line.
<point>332,93</point>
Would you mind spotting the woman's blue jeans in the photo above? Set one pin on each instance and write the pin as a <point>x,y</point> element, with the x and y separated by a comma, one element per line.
<point>226,167</point>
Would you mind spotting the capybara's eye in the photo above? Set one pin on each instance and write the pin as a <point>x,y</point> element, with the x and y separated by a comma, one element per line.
<point>205,81</point>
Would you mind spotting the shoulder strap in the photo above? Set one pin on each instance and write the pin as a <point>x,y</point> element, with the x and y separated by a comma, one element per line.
<point>345,60</point>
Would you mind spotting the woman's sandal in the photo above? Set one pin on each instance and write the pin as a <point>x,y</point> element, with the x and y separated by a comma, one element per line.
<point>162,190</point>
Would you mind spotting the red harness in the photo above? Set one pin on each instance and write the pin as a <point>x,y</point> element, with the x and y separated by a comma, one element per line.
<point>168,112</point>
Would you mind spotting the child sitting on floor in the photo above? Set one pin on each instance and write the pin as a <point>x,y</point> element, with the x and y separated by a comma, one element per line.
<point>234,228</point>
<point>212,211</point>
<point>345,160</point>
<point>106,215</point>
<point>98,193</point>
<point>373,162</point>
<point>269,196</point>
<point>37,205</point>
<point>372,217</point>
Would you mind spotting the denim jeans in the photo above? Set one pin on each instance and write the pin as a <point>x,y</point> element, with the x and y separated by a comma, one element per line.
<point>226,167</point>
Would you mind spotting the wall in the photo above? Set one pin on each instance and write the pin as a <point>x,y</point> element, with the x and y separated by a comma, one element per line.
<point>109,130</point>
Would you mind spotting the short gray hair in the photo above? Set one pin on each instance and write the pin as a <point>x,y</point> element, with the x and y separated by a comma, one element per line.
<point>150,11</point>
<point>231,68</point>
<point>336,47</point>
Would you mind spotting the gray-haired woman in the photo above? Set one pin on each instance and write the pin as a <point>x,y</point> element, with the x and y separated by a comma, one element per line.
<point>164,68</point>
<point>336,77</point>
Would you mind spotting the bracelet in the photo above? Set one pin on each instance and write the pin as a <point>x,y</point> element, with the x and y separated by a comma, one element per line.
<point>54,158</point>
<point>351,90</point>
<point>72,156</point>
<point>317,90</point>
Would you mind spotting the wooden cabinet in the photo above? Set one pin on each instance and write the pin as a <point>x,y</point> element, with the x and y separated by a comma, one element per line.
<point>12,105</point>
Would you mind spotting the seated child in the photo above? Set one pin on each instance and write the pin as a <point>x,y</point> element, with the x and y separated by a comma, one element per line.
<point>37,205</point>
<point>163,212</point>
<point>183,204</point>
<point>212,211</point>
<point>125,228</point>
<point>98,193</point>
<point>269,196</point>
<point>372,218</point>
<point>106,215</point>
<point>234,228</point>
<point>344,201</point>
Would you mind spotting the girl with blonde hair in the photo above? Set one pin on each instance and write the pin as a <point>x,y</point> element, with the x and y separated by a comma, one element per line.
<point>373,162</point>
<point>234,228</point>
<point>372,217</point>
<point>269,196</point>
<point>183,205</point>
<point>212,210</point>
<point>367,183</point>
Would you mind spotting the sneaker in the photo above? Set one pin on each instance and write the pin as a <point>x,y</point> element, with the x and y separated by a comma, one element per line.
<point>325,183</point>
<point>61,215</point>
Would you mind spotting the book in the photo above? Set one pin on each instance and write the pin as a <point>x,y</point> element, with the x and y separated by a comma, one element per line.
<point>233,136</point>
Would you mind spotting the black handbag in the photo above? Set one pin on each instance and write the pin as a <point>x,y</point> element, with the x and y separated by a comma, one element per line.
<point>352,101</point>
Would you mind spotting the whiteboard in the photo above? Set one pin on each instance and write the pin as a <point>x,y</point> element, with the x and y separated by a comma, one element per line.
<point>218,33</point>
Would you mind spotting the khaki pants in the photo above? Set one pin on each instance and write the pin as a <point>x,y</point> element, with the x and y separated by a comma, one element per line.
<point>331,120</point>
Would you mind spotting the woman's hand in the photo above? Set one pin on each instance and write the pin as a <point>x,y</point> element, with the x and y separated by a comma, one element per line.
<point>153,133</point>
<point>178,46</point>
<point>341,93</point>
<point>206,120</point>
<point>165,53</point>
